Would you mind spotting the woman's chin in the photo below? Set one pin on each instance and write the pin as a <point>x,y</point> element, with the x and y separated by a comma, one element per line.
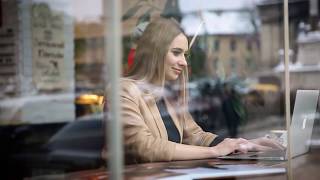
<point>174,78</point>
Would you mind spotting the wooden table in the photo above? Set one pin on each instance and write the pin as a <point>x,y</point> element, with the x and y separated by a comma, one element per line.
<point>305,167</point>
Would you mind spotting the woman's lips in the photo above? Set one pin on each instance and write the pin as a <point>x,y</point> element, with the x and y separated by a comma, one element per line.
<point>178,71</point>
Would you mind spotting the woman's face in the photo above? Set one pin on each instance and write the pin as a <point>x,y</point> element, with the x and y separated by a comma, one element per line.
<point>175,60</point>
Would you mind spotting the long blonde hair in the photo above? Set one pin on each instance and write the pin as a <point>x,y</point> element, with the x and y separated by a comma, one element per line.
<point>152,47</point>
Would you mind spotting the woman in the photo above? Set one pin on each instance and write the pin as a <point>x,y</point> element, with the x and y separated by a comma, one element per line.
<point>154,99</point>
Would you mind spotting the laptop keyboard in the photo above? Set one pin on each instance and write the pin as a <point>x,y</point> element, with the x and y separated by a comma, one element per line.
<point>276,153</point>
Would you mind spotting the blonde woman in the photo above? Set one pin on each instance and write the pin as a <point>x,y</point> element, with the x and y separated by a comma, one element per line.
<point>154,99</point>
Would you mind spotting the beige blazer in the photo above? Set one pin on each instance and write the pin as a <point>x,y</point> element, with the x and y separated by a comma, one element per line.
<point>145,135</point>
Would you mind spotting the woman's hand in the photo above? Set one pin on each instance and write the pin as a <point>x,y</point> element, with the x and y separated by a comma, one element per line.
<point>229,145</point>
<point>267,142</point>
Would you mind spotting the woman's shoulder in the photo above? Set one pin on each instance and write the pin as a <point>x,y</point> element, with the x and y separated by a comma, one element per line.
<point>138,87</point>
<point>129,86</point>
<point>127,81</point>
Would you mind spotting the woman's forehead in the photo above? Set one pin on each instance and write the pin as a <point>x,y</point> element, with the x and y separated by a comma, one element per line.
<point>180,41</point>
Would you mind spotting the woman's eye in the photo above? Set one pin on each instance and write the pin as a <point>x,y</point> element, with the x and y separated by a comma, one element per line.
<point>176,53</point>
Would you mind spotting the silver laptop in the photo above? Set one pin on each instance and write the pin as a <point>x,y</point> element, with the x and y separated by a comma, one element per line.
<point>301,129</point>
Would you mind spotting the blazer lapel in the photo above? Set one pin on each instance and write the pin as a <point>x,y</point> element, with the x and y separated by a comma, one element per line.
<point>174,117</point>
<point>151,103</point>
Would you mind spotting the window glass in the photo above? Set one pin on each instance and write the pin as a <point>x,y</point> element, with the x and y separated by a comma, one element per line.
<point>245,90</point>
<point>54,87</point>
<point>235,89</point>
<point>51,87</point>
<point>233,45</point>
<point>304,72</point>
<point>216,45</point>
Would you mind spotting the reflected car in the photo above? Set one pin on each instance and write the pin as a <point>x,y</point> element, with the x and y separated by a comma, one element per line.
<point>32,150</point>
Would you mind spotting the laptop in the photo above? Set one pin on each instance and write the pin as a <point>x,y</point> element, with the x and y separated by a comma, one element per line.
<point>301,130</point>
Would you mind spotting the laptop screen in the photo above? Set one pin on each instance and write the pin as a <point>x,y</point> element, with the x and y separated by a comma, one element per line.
<point>303,120</point>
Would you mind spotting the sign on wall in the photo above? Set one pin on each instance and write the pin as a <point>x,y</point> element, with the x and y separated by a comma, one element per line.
<point>8,49</point>
<point>48,47</point>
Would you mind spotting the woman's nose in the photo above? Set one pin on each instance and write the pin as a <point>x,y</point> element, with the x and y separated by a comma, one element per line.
<point>183,61</point>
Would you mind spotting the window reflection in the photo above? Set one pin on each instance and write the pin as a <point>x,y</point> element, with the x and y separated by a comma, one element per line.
<point>233,45</point>
<point>50,99</point>
<point>240,67</point>
<point>52,60</point>
<point>216,45</point>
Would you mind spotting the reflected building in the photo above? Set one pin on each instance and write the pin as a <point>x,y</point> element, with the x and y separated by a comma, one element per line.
<point>89,56</point>
<point>271,29</point>
<point>228,36</point>
<point>304,42</point>
<point>36,62</point>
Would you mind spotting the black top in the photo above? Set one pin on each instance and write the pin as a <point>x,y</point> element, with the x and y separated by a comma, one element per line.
<point>216,140</point>
<point>173,133</point>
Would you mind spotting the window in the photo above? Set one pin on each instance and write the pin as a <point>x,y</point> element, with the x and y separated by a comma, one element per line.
<point>233,45</point>
<point>216,45</point>
<point>58,73</point>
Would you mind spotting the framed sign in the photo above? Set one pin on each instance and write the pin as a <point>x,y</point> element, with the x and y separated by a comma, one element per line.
<point>48,47</point>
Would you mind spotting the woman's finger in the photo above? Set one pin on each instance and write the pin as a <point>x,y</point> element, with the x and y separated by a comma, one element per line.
<point>258,147</point>
<point>272,143</point>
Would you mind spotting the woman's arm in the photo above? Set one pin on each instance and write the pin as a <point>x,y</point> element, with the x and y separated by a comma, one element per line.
<point>193,134</point>
<point>227,146</point>
<point>140,141</point>
<point>144,145</point>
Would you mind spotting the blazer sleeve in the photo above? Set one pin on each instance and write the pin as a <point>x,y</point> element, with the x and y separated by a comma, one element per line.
<point>194,135</point>
<point>140,143</point>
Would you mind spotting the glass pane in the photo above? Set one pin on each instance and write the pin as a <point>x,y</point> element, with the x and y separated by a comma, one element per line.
<point>304,84</point>
<point>233,66</point>
<point>223,76</point>
<point>235,88</point>
<point>52,87</point>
